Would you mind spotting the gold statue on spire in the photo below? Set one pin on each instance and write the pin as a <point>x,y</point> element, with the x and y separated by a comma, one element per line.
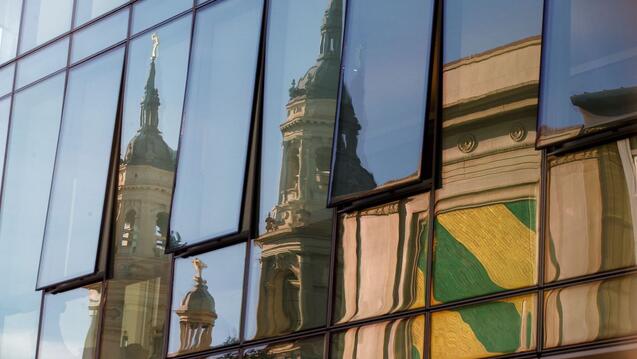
<point>155,39</point>
<point>199,267</point>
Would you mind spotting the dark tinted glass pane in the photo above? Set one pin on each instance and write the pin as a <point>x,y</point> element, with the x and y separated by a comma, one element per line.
<point>70,322</point>
<point>384,95</point>
<point>86,10</point>
<point>608,307</point>
<point>207,313</point>
<point>139,291</point>
<point>25,195</point>
<point>589,79</point>
<point>485,233</point>
<point>382,259</point>
<point>214,142</point>
<point>42,63</point>
<point>596,232</point>
<point>292,251</point>
<point>43,20</point>
<point>232,355</point>
<point>99,36</point>
<point>6,79</point>
<point>485,330</point>
<point>76,206</point>
<point>10,24</point>
<point>147,13</point>
<point>402,338</point>
<point>306,348</point>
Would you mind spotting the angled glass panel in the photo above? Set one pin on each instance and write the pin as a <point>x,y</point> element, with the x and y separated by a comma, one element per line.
<point>139,291</point>
<point>74,219</point>
<point>70,323</point>
<point>484,330</point>
<point>401,338</point>
<point>43,20</point>
<point>206,310</point>
<point>596,232</point>
<point>485,232</point>
<point>6,79</point>
<point>384,95</point>
<point>589,80</point>
<point>10,11</point>
<point>5,110</point>
<point>216,124</point>
<point>41,63</point>
<point>298,121</point>
<point>608,307</point>
<point>98,36</point>
<point>311,348</point>
<point>381,259</point>
<point>147,13</point>
<point>86,10</point>
<point>27,181</point>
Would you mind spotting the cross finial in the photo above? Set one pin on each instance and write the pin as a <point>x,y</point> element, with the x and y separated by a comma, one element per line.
<point>199,267</point>
<point>155,39</point>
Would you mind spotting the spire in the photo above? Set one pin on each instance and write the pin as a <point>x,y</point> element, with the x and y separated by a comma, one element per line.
<point>331,30</point>
<point>149,116</point>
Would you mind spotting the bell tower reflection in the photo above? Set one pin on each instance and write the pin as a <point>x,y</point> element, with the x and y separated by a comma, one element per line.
<point>138,294</point>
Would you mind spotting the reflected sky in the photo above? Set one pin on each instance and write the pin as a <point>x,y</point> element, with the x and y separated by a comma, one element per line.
<point>474,26</point>
<point>100,35</point>
<point>41,63</point>
<point>6,79</point>
<point>43,20</point>
<point>81,169</point>
<point>5,109</point>
<point>9,27</point>
<point>70,324</point>
<point>224,276</point>
<point>29,167</point>
<point>86,10</point>
<point>147,13</point>
<point>216,124</point>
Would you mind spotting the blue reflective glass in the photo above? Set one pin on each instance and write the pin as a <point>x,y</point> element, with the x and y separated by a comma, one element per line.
<point>6,79</point>
<point>384,95</point>
<point>98,36</point>
<point>25,194</point>
<point>86,10</point>
<point>81,170</point>
<point>41,63</point>
<point>216,125</point>
<point>43,20</point>
<point>589,76</point>
<point>147,13</point>
<point>9,26</point>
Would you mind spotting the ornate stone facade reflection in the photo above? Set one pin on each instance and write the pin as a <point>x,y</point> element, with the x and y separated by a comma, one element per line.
<point>137,301</point>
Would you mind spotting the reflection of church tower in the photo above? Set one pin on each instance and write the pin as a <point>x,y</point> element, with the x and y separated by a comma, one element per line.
<point>196,314</point>
<point>141,269</point>
<point>295,247</point>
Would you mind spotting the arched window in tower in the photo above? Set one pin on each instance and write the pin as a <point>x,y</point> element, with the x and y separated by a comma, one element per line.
<point>130,233</point>
<point>291,302</point>
<point>161,228</point>
<point>322,160</point>
<point>292,171</point>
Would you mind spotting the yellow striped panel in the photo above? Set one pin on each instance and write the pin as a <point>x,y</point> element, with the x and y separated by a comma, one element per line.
<point>451,337</point>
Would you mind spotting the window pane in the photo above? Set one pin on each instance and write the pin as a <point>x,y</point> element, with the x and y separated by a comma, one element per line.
<point>9,25</point>
<point>6,79</point>
<point>139,291</point>
<point>589,78</point>
<point>478,331</point>
<point>74,218</point>
<point>592,233</point>
<point>294,225</point>
<point>485,233</point>
<point>99,36</point>
<point>70,322</point>
<point>402,338</point>
<point>207,313</point>
<point>627,351</point>
<point>44,20</point>
<point>5,109</point>
<point>25,195</point>
<point>214,143</point>
<point>382,255</point>
<point>608,307</point>
<point>232,355</point>
<point>42,63</point>
<point>86,10</point>
<point>311,348</point>
<point>384,95</point>
<point>147,13</point>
